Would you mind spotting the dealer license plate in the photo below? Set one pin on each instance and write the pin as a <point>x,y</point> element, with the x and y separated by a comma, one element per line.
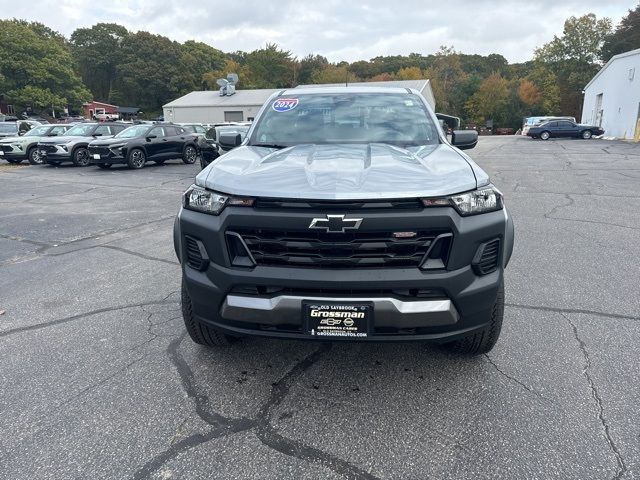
<point>329,319</point>
<point>96,156</point>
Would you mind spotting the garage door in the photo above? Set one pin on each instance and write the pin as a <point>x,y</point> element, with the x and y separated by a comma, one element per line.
<point>233,116</point>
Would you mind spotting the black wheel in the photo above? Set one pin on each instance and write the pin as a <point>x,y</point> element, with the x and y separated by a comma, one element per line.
<point>189,155</point>
<point>587,134</point>
<point>545,135</point>
<point>136,158</point>
<point>13,160</point>
<point>482,341</point>
<point>34,157</point>
<point>104,166</point>
<point>80,157</point>
<point>200,333</point>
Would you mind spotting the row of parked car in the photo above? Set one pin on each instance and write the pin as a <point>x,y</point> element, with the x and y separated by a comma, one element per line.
<point>109,143</point>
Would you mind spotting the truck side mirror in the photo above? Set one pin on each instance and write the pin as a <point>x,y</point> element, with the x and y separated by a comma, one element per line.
<point>464,139</point>
<point>229,141</point>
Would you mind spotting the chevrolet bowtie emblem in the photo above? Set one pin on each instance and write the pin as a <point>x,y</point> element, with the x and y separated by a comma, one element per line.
<point>335,223</point>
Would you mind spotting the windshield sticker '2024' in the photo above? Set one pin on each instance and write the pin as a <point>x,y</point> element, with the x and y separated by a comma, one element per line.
<point>284,104</point>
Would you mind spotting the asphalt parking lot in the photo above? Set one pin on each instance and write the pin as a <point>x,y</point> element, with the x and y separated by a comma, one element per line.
<point>99,381</point>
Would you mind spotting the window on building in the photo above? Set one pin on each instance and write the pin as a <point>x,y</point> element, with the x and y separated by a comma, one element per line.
<point>233,116</point>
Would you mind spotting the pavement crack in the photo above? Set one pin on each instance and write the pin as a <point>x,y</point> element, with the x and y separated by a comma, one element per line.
<point>200,400</point>
<point>176,449</point>
<point>621,466</point>
<point>39,326</point>
<point>137,254</point>
<point>558,207</point>
<point>25,240</point>
<point>573,310</point>
<point>222,426</point>
<point>513,379</point>
<point>269,437</point>
<point>594,222</point>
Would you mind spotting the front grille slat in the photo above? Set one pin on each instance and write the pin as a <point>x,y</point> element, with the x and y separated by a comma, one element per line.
<point>272,247</point>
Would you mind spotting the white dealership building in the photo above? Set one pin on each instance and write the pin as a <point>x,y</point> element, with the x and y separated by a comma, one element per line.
<point>612,97</point>
<point>210,107</point>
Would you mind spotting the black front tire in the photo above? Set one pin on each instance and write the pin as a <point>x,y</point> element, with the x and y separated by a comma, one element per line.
<point>34,157</point>
<point>80,157</point>
<point>200,333</point>
<point>587,134</point>
<point>482,341</point>
<point>136,158</point>
<point>189,155</point>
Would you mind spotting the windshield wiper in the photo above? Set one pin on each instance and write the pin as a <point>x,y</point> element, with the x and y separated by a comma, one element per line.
<point>269,145</point>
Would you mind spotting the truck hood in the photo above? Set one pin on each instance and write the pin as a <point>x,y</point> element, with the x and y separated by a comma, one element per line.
<point>343,171</point>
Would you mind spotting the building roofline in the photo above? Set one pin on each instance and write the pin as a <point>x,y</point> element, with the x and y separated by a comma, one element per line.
<point>611,60</point>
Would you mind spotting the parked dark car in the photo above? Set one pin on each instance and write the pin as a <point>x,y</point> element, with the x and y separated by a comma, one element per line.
<point>140,143</point>
<point>25,147</point>
<point>210,146</point>
<point>564,128</point>
<point>72,147</point>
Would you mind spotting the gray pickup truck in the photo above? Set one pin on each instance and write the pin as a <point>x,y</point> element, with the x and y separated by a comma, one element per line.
<point>345,214</point>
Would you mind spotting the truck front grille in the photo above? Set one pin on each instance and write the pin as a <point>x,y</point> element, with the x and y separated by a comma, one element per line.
<point>336,250</point>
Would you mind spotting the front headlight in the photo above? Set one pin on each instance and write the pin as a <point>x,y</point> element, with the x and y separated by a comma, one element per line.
<point>205,201</point>
<point>483,200</point>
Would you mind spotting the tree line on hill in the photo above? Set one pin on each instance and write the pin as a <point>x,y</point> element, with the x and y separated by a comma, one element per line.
<point>41,69</point>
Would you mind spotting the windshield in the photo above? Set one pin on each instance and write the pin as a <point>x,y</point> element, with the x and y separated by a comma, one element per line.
<point>37,132</point>
<point>135,131</point>
<point>398,119</point>
<point>83,130</point>
<point>8,127</point>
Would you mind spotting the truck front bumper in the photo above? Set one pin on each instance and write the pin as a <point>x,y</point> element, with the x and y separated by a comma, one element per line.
<point>408,303</point>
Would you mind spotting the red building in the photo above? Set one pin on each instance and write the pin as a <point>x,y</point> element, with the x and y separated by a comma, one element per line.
<point>90,108</point>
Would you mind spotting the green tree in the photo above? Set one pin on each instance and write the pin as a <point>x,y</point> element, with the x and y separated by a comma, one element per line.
<point>448,80</point>
<point>200,59</point>
<point>37,67</point>
<point>333,74</point>
<point>153,72</point>
<point>491,100</point>
<point>626,36</point>
<point>409,73</point>
<point>98,51</point>
<point>270,67</point>
<point>308,66</point>
<point>574,57</point>
<point>230,66</point>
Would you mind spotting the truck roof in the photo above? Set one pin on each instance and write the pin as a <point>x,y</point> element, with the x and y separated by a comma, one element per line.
<point>346,89</point>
